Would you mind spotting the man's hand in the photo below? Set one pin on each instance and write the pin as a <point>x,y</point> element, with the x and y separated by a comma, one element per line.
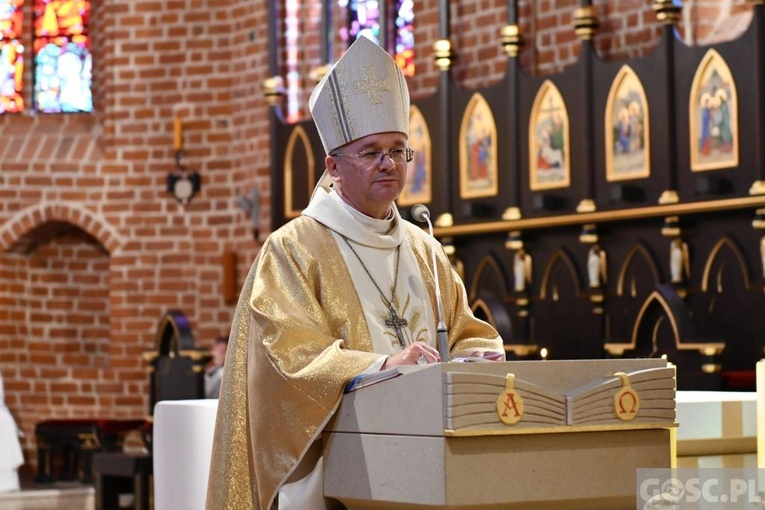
<point>411,355</point>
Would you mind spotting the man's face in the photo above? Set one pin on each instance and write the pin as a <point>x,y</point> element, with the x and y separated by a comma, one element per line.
<point>218,353</point>
<point>369,187</point>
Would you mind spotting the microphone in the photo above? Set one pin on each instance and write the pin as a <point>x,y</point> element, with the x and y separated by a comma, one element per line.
<point>422,214</point>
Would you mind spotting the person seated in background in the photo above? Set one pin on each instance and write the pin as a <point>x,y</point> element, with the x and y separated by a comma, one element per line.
<point>214,371</point>
<point>11,456</point>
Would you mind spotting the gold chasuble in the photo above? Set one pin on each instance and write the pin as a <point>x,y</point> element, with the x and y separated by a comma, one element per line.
<point>298,335</point>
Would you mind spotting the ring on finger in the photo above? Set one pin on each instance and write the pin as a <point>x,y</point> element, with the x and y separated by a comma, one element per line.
<point>422,360</point>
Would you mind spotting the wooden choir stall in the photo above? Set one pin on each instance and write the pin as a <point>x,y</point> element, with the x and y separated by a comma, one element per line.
<point>615,209</point>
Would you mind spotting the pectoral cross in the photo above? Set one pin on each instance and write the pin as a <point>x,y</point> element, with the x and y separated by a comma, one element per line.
<point>396,322</point>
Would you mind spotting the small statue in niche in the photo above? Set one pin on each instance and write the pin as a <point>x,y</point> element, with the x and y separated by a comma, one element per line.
<point>521,269</point>
<point>596,266</point>
<point>456,263</point>
<point>679,260</point>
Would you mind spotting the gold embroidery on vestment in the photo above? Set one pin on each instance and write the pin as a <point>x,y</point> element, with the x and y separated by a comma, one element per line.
<point>372,85</point>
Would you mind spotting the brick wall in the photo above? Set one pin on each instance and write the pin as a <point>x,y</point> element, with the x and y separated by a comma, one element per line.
<point>59,342</point>
<point>93,250</point>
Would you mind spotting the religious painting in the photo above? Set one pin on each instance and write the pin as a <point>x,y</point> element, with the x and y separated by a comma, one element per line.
<point>419,172</point>
<point>549,153</point>
<point>713,108</point>
<point>298,152</point>
<point>478,150</point>
<point>627,128</point>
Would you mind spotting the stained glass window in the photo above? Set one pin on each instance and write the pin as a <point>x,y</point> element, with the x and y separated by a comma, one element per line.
<point>11,57</point>
<point>364,18</point>
<point>404,36</point>
<point>292,40</point>
<point>63,62</point>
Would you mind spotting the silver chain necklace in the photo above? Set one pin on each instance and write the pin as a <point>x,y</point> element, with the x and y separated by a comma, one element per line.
<point>393,320</point>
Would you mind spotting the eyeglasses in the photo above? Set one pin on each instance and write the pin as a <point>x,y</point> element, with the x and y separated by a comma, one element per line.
<point>399,155</point>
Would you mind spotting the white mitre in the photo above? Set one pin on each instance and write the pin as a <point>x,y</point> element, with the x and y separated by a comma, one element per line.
<point>364,93</point>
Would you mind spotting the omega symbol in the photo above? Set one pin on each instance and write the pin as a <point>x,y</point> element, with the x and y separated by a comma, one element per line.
<point>626,400</point>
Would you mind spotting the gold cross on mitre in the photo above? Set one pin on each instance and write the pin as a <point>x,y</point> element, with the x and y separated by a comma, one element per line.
<point>372,85</point>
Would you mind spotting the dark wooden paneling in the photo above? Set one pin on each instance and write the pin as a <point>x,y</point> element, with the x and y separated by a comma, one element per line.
<point>638,307</point>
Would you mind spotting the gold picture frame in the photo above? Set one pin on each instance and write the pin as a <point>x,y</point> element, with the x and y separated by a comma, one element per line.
<point>627,128</point>
<point>478,150</point>
<point>549,146</point>
<point>419,176</point>
<point>713,111</point>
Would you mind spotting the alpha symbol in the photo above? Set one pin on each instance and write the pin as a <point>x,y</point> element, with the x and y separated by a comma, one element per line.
<point>510,403</point>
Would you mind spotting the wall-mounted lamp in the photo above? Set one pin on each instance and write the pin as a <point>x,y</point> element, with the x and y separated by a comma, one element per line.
<point>182,183</point>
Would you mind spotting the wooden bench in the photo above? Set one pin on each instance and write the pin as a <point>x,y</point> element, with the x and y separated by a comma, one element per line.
<point>72,442</point>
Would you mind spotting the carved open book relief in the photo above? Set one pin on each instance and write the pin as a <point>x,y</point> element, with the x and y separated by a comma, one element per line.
<point>637,399</point>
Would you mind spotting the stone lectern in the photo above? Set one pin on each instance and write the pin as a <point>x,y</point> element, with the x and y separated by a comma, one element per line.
<point>511,435</point>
